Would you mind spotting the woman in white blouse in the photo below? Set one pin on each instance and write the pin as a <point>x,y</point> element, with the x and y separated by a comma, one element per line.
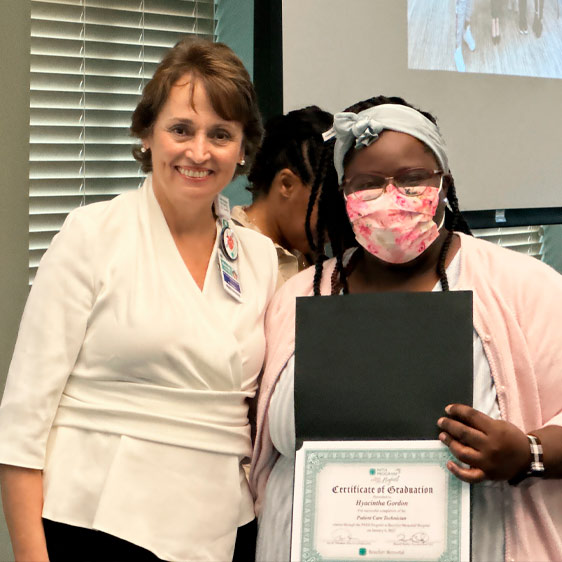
<point>124,420</point>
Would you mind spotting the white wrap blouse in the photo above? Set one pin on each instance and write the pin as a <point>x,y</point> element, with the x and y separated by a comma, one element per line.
<point>128,386</point>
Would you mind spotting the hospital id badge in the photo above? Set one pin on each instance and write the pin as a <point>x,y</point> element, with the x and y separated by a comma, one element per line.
<point>230,278</point>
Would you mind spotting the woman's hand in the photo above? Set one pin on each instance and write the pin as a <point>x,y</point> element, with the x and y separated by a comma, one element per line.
<point>22,499</point>
<point>493,449</point>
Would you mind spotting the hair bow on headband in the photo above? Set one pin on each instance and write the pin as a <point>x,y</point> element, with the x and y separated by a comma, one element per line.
<point>350,128</point>
<point>363,129</point>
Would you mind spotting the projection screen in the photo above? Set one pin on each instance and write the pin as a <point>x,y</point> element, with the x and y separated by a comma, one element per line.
<point>501,117</point>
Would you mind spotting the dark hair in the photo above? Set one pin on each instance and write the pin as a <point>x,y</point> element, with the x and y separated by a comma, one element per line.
<point>226,82</point>
<point>332,216</point>
<point>292,141</point>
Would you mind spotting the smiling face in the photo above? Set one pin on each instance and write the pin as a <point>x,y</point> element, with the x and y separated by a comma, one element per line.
<point>194,151</point>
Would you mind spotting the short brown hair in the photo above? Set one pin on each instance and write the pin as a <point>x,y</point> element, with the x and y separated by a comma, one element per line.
<point>226,82</point>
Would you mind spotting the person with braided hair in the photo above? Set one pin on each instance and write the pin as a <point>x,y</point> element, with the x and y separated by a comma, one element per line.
<point>393,221</point>
<point>280,182</point>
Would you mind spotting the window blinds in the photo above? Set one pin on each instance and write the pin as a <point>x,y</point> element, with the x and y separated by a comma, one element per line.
<point>89,62</point>
<point>523,239</point>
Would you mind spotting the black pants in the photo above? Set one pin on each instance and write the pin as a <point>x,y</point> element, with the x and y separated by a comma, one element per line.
<point>66,543</point>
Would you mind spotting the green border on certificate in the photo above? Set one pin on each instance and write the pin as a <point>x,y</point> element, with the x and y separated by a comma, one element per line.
<point>387,459</point>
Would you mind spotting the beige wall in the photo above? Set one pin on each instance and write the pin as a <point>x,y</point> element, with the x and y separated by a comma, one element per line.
<point>14,156</point>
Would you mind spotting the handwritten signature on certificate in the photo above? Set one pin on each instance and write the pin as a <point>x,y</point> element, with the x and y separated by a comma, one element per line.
<point>416,538</point>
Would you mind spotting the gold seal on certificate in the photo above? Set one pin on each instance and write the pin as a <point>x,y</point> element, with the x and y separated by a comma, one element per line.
<point>378,500</point>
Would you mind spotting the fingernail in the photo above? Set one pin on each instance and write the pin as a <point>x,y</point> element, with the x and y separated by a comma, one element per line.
<point>443,437</point>
<point>440,422</point>
<point>448,408</point>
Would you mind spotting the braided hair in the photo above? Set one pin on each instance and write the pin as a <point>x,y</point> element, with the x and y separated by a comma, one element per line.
<point>292,141</point>
<point>332,215</point>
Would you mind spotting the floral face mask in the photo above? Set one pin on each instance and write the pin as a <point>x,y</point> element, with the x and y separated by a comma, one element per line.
<point>394,227</point>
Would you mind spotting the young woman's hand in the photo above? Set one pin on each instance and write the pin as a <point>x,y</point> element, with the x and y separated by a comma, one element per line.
<point>492,449</point>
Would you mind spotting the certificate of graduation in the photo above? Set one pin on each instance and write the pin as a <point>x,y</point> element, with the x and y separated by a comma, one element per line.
<point>378,500</point>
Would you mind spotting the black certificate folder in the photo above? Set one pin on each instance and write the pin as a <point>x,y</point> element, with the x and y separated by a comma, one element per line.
<point>381,366</point>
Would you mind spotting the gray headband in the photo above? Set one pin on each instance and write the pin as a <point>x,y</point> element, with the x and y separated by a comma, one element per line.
<point>364,128</point>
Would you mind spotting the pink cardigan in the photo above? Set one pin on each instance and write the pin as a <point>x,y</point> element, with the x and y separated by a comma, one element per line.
<point>518,316</point>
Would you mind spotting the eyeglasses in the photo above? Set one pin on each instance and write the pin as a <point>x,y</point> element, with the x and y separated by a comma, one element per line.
<point>411,183</point>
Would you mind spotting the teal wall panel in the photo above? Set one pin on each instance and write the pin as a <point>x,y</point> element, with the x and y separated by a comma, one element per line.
<point>235,27</point>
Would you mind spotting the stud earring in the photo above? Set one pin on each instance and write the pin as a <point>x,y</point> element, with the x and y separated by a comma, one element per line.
<point>242,162</point>
<point>143,149</point>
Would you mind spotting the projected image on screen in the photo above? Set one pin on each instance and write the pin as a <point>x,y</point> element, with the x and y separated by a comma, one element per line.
<point>517,37</point>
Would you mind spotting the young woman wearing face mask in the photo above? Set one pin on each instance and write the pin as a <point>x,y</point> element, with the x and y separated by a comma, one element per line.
<point>396,193</point>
